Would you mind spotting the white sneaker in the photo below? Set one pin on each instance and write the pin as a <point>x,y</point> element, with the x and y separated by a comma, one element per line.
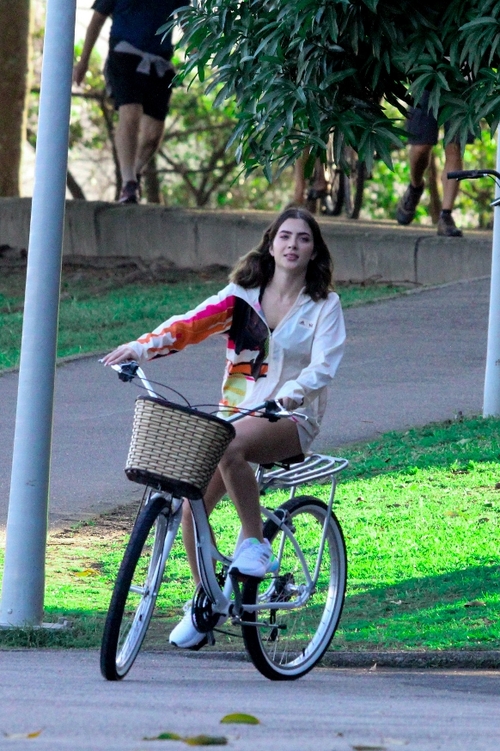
<point>185,635</point>
<point>254,558</point>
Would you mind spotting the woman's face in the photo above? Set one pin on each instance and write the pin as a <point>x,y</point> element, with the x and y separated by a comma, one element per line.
<point>293,246</point>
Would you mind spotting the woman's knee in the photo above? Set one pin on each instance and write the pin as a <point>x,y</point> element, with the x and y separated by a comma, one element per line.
<point>235,453</point>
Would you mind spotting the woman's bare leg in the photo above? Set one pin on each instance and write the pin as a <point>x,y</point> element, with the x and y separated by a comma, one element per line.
<point>258,441</point>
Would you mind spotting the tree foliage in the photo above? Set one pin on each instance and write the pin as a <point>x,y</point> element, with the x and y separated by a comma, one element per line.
<point>300,69</point>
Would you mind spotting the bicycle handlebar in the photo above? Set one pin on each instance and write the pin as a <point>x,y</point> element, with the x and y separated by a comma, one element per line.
<point>471,174</point>
<point>270,409</point>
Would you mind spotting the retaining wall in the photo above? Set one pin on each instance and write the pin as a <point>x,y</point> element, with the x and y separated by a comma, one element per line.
<point>197,238</point>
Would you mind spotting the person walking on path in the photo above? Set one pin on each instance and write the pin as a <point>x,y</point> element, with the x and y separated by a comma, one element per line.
<point>285,339</point>
<point>423,132</point>
<point>138,74</point>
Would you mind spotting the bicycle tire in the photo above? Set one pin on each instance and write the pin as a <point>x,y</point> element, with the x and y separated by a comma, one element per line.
<point>135,592</point>
<point>354,186</point>
<point>288,645</point>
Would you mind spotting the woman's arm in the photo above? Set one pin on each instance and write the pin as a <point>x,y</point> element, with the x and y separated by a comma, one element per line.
<point>326,354</point>
<point>213,316</point>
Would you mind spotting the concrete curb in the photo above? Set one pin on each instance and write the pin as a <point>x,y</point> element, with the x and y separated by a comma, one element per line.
<point>446,659</point>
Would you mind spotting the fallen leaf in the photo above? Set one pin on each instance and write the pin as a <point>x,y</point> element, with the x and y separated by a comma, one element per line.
<point>475,604</point>
<point>86,572</point>
<point>206,740</point>
<point>22,736</point>
<point>241,718</point>
<point>165,737</point>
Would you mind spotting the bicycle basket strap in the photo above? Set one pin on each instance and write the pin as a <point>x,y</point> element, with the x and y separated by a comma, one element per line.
<point>175,448</point>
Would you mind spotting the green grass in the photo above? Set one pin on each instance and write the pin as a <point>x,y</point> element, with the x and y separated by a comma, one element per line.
<point>421,515</point>
<point>100,314</point>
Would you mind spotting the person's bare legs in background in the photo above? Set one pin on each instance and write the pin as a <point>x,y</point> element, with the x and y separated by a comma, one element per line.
<point>137,138</point>
<point>419,158</point>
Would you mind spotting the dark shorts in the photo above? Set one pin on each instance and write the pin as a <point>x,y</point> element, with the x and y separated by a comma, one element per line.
<point>422,126</point>
<point>127,86</point>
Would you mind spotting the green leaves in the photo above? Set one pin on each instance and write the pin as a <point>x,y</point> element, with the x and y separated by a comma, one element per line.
<point>240,718</point>
<point>299,70</point>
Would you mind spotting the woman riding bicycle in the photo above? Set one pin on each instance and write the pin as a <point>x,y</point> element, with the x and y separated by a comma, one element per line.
<point>285,332</point>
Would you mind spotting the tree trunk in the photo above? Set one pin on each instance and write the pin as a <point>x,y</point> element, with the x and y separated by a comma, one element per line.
<point>15,33</point>
<point>151,182</point>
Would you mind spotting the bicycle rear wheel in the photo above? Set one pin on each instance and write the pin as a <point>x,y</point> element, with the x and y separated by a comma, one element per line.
<point>136,589</point>
<point>285,644</point>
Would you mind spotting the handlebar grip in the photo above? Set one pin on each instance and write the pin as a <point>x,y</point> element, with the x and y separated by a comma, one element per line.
<point>462,174</point>
<point>470,174</point>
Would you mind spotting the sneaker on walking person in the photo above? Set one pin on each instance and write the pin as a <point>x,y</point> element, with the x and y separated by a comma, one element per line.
<point>407,206</point>
<point>254,558</point>
<point>130,192</point>
<point>446,225</point>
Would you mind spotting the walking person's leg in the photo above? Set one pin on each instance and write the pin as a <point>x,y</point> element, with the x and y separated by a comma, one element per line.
<point>127,142</point>
<point>422,130</point>
<point>453,162</point>
<point>150,137</point>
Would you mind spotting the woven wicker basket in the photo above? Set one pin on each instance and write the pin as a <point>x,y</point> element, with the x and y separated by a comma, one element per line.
<point>175,448</point>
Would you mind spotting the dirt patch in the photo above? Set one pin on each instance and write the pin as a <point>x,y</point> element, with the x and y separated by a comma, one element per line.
<point>111,525</point>
<point>90,277</point>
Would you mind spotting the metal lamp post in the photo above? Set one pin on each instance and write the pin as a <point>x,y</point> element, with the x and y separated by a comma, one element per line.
<point>24,572</point>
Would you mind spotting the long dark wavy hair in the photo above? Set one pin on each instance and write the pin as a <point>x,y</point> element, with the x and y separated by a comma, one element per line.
<point>256,268</point>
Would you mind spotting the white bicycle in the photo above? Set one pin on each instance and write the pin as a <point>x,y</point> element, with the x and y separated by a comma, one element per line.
<point>287,619</point>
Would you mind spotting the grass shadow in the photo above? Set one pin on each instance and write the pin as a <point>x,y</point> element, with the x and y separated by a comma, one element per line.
<point>457,609</point>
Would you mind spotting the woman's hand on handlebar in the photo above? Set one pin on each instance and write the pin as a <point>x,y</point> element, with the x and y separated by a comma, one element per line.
<point>120,354</point>
<point>288,403</point>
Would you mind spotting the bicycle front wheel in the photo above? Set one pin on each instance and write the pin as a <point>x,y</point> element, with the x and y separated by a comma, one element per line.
<point>136,590</point>
<point>284,644</point>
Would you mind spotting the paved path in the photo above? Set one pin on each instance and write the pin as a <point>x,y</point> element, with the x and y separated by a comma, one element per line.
<point>409,361</point>
<point>327,710</point>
